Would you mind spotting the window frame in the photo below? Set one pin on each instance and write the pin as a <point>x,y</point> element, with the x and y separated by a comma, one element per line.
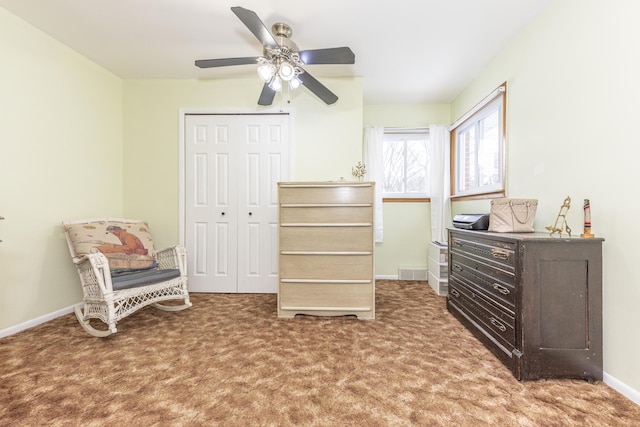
<point>402,198</point>
<point>477,113</point>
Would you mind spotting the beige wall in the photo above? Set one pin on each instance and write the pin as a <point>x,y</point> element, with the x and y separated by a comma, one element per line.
<point>407,229</point>
<point>60,158</point>
<point>326,139</point>
<point>573,90</point>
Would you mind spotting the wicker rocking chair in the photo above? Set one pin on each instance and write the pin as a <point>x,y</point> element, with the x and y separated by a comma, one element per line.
<point>121,272</point>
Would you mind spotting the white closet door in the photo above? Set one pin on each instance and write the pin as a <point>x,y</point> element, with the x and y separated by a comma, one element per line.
<point>233,164</point>
<point>263,143</point>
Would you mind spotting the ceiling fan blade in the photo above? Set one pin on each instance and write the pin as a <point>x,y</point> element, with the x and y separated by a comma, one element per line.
<point>210,63</point>
<point>267,95</point>
<point>318,88</point>
<point>255,25</point>
<point>335,55</point>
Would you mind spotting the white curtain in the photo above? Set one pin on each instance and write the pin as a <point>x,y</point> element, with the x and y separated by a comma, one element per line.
<point>373,137</point>
<point>440,187</point>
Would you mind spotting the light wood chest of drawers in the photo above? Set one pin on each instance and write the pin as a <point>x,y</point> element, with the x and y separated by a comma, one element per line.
<point>326,249</point>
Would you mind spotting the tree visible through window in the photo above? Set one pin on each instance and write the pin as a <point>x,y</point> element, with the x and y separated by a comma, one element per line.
<point>405,156</point>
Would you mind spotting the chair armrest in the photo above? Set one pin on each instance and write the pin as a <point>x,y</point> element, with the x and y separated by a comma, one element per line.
<point>173,257</point>
<point>94,271</point>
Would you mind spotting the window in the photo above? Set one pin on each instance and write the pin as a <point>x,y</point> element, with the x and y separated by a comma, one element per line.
<point>405,157</point>
<point>477,147</point>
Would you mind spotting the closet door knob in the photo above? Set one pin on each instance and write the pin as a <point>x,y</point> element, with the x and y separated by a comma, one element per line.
<point>250,213</point>
<point>222,213</point>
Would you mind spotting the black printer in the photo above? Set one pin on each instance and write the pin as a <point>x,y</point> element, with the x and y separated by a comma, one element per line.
<point>471,221</point>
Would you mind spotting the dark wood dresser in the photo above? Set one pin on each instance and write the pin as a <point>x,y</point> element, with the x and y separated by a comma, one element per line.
<point>535,301</point>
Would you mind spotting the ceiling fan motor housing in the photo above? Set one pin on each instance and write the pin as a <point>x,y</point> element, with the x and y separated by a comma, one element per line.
<point>282,33</point>
<point>286,57</point>
<point>280,29</point>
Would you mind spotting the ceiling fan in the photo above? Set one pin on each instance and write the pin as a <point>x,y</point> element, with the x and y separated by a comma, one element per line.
<point>282,62</point>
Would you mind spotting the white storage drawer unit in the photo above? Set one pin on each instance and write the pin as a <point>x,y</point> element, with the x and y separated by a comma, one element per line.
<point>438,268</point>
<point>326,249</point>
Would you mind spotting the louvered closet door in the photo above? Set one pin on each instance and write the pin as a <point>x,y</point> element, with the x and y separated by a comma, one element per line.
<point>233,165</point>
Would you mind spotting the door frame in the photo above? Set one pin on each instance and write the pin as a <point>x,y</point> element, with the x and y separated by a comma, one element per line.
<point>182,190</point>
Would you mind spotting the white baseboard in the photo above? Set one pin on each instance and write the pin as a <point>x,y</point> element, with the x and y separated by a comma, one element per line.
<point>388,277</point>
<point>35,322</point>
<point>622,388</point>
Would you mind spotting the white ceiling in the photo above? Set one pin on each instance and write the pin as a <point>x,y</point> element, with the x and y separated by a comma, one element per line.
<point>407,51</point>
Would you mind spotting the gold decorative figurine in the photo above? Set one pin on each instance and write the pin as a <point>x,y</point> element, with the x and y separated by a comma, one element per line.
<point>562,218</point>
<point>587,220</point>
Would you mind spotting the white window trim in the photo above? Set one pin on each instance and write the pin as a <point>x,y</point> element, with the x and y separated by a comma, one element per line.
<point>407,131</point>
<point>475,112</point>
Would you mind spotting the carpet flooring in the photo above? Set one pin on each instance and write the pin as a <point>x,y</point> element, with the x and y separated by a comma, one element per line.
<point>229,361</point>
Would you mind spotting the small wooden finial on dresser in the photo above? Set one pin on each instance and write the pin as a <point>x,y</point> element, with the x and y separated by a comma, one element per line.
<point>587,220</point>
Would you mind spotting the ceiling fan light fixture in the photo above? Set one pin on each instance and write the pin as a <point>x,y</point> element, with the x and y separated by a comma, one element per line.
<point>276,84</point>
<point>266,72</point>
<point>286,71</point>
<point>294,83</point>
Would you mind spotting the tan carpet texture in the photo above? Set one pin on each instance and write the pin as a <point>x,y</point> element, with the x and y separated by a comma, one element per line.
<point>229,361</point>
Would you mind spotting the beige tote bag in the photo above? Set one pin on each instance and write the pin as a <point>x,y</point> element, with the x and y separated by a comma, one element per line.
<point>512,215</point>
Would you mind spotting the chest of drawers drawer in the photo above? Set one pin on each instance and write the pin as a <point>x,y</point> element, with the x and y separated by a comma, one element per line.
<point>305,214</point>
<point>326,295</point>
<point>325,266</point>
<point>498,323</point>
<point>325,194</point>
<point>500,254</point>
<point>326,238</point>
<point>494,282</point>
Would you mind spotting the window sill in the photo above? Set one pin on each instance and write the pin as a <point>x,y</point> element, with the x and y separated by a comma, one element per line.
<point>480,196</point>
<point>405,200</point>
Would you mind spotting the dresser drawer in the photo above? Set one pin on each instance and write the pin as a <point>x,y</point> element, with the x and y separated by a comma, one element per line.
<point>494,252</point>
<point>496,283</point>
<point>334,267</point>
<point>326,214</point>
<point>356,193</point>
<point>507,354</point>
<point>496,322</point>
<point>326,238</point>
<point>326,296</point>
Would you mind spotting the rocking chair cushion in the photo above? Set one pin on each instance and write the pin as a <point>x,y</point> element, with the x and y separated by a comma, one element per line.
<point>127,245</point>
<point>143,278</point>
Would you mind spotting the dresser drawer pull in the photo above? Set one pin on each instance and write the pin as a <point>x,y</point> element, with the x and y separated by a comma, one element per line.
<point>455,293</point>
<point>503,290</point>
<point>498,324</point>
<point>457,268</point>
<point>499,254</point>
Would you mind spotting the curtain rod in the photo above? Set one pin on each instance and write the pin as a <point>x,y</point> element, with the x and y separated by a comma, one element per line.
<point>406,130</point>
<point>493,95</point>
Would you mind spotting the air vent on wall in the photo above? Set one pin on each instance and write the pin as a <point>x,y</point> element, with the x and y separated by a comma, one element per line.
<point>412,273</point>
